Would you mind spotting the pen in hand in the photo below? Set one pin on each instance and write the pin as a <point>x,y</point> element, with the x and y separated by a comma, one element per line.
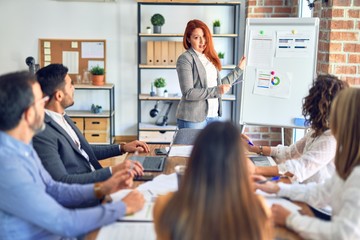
<point>250,143</point>
<point>237,82</point>
<point>276,178</point>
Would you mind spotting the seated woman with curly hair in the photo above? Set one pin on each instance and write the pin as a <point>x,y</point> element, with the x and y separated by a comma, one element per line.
<point>311,159</point>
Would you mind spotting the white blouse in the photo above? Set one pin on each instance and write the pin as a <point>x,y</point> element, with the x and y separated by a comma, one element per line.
<point>309,159</point>
<point>211,78</point>
<point>342,196</point>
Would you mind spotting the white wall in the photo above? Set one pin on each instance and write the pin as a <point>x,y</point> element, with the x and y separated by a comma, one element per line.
<point>23,22</point>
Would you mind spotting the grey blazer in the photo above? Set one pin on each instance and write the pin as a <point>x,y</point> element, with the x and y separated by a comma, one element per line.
<point>193,106</point>
<point>63,160</point>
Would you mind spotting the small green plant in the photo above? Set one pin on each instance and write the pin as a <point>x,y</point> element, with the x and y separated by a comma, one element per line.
<point>157,20</point>
<point>221,55</point>
<point>97,70</point>
<point>216,23</point>
<point>160,82</point>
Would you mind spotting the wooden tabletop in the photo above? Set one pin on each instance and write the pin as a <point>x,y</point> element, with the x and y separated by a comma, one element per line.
<point>171,162</point>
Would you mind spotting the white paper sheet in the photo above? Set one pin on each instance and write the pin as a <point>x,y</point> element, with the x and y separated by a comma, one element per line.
<point>92,64</point>
<point>92,50</point>
<point>273,199</point>
<point>71,61</point>
<point>160,185</point>
<point>128,231</point>
<point>291,44</point>
<point>145,214</point>
<point>261,49</point>
<point>272,83</point>
<point>180,151</point>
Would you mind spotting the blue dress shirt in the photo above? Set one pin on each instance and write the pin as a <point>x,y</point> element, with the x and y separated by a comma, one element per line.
<point>34,206</point>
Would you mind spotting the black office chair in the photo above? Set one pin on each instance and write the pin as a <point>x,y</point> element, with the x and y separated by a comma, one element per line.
<point>186,136</point>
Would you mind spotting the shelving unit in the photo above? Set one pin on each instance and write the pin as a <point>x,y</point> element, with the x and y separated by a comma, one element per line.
<point>98,128</point>
<point>150,132</point>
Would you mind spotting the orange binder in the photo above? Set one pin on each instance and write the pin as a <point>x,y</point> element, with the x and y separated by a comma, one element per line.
<point>171,53</point>
<point>164,53</point>
<point>157,53</point>
<point>179,49</point>
<point>150,53</point>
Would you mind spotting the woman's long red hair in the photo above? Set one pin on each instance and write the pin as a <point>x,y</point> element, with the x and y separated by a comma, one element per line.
<point>209,51</point>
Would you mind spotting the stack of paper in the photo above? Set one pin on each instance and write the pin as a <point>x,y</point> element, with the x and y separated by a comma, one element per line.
<point>128,230</point>
<point>273,199</point>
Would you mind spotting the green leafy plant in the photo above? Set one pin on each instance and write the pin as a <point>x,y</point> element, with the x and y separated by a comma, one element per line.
<point>216,23</point>
<point>157,20</point>
<point>221,55</point>
<point>97,70</point>
<point>160,82</point>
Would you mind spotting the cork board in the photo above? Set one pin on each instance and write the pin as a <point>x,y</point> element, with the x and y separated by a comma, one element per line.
<point>78,55</point>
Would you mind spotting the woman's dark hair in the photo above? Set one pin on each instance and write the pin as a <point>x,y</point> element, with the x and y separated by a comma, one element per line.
<point>317,104</point>
<point>16,95</point>
<point>52,78</point>
<point>215,199</point>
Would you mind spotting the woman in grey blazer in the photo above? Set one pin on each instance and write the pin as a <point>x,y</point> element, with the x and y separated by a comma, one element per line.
<point>198,71</point>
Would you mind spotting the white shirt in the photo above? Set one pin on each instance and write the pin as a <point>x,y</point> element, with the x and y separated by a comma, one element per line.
<point>211,77</point>
<point>342,196</point>
<point>309,159</point>
<point>59,119</point>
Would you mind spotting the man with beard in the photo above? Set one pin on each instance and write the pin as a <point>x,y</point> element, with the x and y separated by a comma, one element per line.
<point>32,204</point>
<point>63,150</point>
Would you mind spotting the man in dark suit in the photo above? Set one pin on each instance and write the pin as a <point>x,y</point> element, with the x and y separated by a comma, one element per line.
<point>63,150</point>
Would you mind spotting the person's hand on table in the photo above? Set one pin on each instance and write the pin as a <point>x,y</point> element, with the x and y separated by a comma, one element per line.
<point>279,214</point>
<point>134,202</point>
<point>120,180</point>
<point>135,146</point>
<point>268,186</point>
<point>134,167</point>
<point>224,88</point>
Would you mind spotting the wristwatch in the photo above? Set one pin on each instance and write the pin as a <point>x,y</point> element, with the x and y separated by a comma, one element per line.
<point>261,150</point>
<point>97,191</point>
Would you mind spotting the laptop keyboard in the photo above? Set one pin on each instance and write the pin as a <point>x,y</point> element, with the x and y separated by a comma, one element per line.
<point>152,163</point>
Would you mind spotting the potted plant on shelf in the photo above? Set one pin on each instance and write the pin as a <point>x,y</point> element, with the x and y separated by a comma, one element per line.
<point>148,30</point>
<point>221,56</point>
<point>160,84</point>
<point>98,77</point>
<point>216,26</point>
<point>157,20</point>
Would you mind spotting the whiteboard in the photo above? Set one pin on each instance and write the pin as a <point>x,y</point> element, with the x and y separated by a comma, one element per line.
<point>281,66</point>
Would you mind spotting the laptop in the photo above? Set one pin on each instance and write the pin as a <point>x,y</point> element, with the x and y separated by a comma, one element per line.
<point>262,161</point>
<point>154,163</point>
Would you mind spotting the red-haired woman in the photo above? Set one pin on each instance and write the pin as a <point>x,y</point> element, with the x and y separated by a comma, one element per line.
<point>198,71</point>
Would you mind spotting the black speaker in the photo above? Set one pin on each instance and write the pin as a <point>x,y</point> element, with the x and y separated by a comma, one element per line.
<point>154,112</point>
<point>33,67</point>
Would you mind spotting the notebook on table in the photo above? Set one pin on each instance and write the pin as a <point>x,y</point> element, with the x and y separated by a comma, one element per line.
<point>262,161</point>
<point>153,163</point>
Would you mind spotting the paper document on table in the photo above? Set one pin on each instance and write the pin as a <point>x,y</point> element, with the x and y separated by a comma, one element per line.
<point>145,214</point>
<point>127,230</point>
<point>180,151</point>
<point>160,185</point>
<point>273,199</point>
